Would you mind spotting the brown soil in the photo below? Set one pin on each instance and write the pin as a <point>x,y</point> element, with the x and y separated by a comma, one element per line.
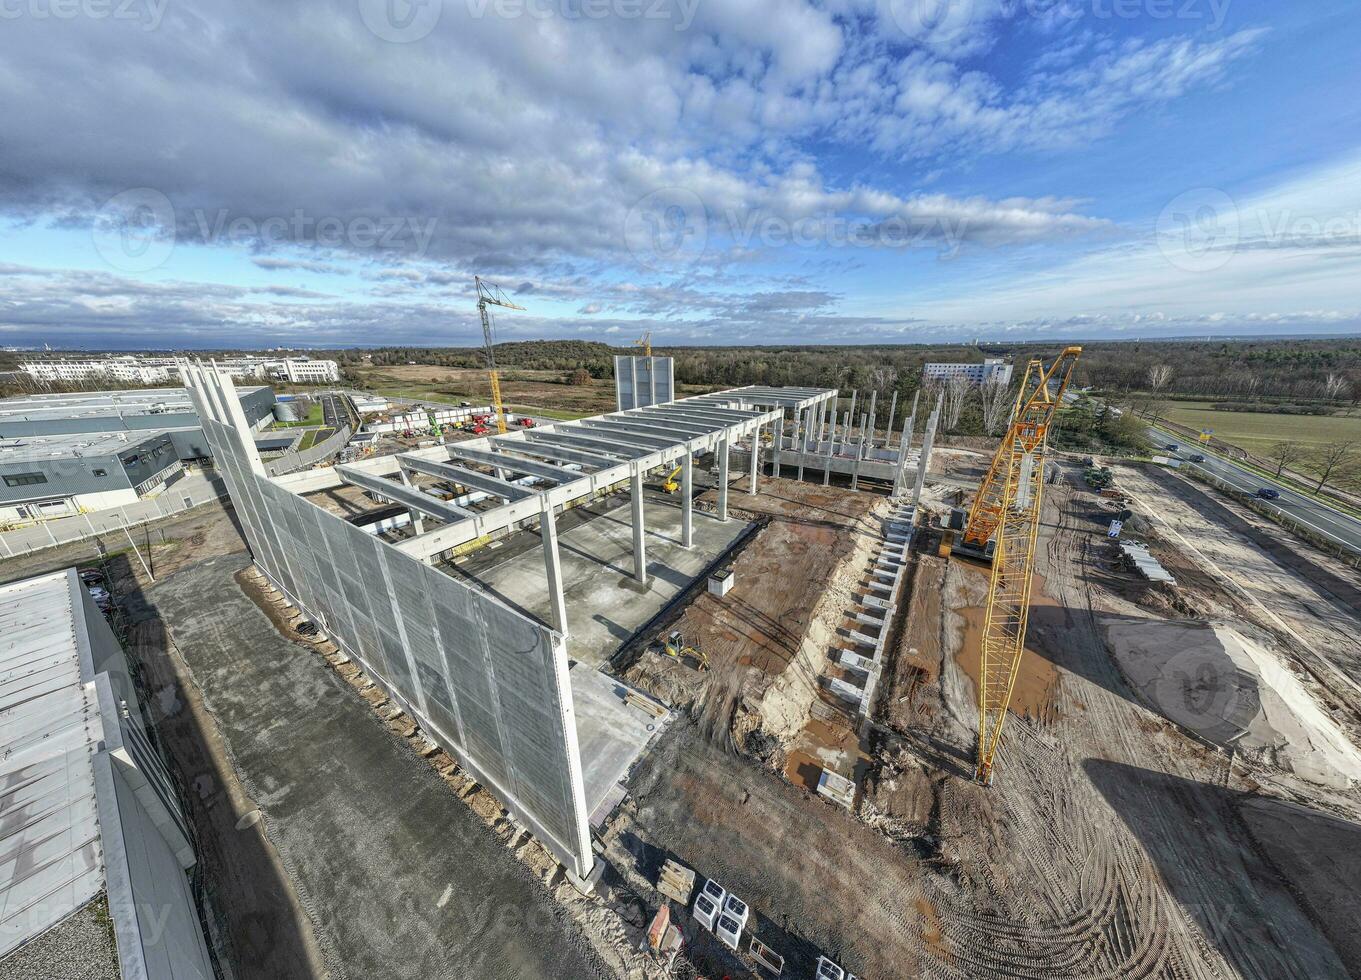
<point>1037,678</point>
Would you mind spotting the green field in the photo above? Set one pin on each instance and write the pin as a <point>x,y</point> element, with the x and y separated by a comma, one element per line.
<point>1257,432</point>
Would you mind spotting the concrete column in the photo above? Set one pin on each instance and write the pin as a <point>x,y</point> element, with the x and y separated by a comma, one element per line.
<point>859,451</point>
<point>779,444</point>
<point>827,466</point>
<point>925,459</point>
<point>687,500</point>
<point>639,543</point>
<point>874,415</point>
<point>912,423</point>
<point>755,459</point>
<point>552,562</point>
<point>892,413</point>
<point>854,395</point>
<point>801,440</point>
<point>723,479</point>
<point>417,521</point>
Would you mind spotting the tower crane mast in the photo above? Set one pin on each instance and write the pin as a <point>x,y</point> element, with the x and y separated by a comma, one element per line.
<point>1008,506</point>
<point>489,294</point>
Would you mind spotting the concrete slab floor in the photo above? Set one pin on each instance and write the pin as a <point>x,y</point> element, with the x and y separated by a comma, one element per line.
<point>612,733</point>
<point>605,605</point>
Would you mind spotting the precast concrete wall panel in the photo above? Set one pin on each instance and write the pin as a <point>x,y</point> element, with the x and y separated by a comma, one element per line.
<point>643,381</point>
<point>488,683</point>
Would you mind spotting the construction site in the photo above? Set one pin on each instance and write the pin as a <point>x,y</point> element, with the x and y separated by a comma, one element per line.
<point>750,684</point>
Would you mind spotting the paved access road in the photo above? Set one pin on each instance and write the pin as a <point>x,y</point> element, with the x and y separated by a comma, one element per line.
<point>1333,524</point>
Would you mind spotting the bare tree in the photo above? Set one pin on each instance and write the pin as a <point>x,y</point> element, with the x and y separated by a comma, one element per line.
<point>1334,459</point>
<point>997,401</point>
<point>1284,453</point>
<point>956,393</point>
<point>1335,386</point>
<point>1159,377</point>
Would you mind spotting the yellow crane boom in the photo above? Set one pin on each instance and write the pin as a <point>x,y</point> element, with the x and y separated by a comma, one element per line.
<point>489,294</point>
<point>1008,506</point>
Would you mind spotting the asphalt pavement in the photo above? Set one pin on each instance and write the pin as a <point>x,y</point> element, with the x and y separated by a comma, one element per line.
<point>1338,527</point>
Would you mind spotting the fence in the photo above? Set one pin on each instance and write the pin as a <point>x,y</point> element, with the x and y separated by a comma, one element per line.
<point>290,461</point>
<point>183,494</point>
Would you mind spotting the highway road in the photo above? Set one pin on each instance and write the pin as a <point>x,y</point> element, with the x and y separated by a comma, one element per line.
<point>1333,524</point>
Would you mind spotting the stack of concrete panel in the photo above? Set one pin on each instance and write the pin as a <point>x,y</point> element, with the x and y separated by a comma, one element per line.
<point>1145,564</point>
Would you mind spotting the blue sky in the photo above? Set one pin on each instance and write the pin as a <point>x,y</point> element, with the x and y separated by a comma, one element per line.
<point>333,172</point>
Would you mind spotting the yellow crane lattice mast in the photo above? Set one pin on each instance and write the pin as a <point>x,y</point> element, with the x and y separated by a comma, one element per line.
<point>1008,506</point>
<point>489,294</point>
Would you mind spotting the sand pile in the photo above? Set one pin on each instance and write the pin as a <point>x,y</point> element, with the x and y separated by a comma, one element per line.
<point>1230,689</point>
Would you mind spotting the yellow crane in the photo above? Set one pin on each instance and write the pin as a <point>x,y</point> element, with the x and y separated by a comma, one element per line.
<point>1008,506</point>
<point>489,294</point>
<point>645,342</point>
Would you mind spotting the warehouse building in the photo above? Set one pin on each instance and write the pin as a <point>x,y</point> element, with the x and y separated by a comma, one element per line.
<point>44,477</point>
<point>97,850</point>
<point>164,409</point>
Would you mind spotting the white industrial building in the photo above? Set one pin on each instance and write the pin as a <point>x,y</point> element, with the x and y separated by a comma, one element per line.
<point>133,369</point>
<point>96,846</point>
<point>993,369</point>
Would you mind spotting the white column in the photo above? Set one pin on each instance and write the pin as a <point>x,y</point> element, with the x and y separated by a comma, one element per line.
<point>801,440</point>
<point>925,459</point>
<point>859,451</point>
<point>755,458</point>
<point>548,530</point>
<point>892,412</point>
<point>639,544</point>
<point>827,462</point>
<point>874,415</point>
<point>779,444</point>
<point>417,521</point>
<point>723,479</point>
<point>687,500</point>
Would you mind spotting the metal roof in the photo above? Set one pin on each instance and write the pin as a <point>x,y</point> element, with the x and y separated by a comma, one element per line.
<point>51,861</point>
<point>95,404</point>
<point>65,446</point>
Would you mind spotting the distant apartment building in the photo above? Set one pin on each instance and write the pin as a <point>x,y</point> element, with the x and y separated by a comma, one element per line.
<point>992,369</point>
<point>131,369</point>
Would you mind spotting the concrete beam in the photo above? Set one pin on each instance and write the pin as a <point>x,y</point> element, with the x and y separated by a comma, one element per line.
<point>624,433</point>
<point>544,451</point>
<point>592,443</point>
<point>466,478</point>
<point>514,464</point>
<point>412,498</point>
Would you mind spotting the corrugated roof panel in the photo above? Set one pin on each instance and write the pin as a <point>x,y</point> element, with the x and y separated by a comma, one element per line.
<point>50,858</point>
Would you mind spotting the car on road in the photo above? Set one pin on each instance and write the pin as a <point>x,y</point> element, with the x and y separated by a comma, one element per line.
<point>1172,447</point>
<point>1196,458</point>
<point>91,576</point>
<point>1267,493</point>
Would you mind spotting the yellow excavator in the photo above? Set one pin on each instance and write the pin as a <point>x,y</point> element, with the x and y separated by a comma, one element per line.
<point>676,648</point>
<point>672,483</point>
<point>1006,518</point>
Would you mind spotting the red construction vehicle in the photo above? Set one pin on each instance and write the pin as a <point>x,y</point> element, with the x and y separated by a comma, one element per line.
<point>525,421</point>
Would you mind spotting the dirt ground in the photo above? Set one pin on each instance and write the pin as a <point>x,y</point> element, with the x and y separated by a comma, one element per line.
<point>768,640</point>
<point>1111,845</point>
